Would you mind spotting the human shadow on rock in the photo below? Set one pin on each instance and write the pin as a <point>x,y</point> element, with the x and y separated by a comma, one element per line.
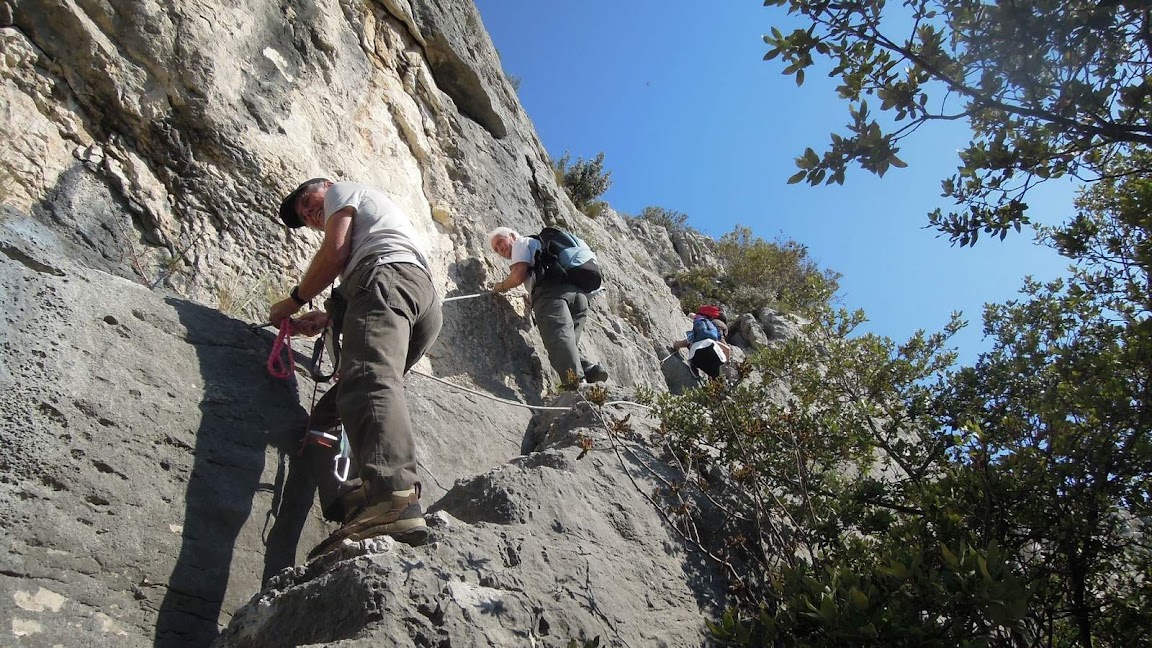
<point>244,411</point>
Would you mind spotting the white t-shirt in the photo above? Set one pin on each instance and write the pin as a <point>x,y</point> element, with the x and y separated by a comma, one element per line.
<point>524,250</point>
<point>379,227</point>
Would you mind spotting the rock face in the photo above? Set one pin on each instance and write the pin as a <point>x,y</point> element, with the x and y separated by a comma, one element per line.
<point>149,482</point>
<point>542,550</point>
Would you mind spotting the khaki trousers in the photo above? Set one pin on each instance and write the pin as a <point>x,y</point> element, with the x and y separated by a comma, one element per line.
<point>393,318</point>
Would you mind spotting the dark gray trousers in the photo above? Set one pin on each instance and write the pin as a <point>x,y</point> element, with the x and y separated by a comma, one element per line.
<point>393,318</point>
<point>560,311</point>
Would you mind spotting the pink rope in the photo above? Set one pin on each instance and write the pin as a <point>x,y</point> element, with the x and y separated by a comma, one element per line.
<point>280,363</point>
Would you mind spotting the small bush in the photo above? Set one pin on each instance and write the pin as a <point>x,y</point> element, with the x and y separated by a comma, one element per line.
<point>756,273</point>
<point>670,219</point>
<point>584,181</point>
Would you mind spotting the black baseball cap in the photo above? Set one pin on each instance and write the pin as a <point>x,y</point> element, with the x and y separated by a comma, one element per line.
<point>288,206</point>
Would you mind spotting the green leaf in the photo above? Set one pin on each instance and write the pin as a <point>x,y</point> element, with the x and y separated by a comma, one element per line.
<point>897,162</point>
<point>949,557</point>
<point>797,177</point>
<point>859,599</point>
<point>827,608</point>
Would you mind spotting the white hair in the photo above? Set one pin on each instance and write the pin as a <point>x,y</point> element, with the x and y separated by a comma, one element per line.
<point>501,232</point>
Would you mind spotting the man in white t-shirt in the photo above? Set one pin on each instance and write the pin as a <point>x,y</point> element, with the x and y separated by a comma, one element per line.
<point>560,308</point>
<point>393,316</point>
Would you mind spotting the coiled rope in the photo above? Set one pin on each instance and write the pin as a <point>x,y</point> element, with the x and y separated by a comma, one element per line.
<point>280,362</point>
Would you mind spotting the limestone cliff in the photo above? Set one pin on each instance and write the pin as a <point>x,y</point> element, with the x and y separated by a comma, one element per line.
<point>148,476</point>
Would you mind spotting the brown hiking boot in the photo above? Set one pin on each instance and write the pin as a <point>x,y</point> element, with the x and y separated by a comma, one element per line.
<point>398,515</point>
<point>346,505</point>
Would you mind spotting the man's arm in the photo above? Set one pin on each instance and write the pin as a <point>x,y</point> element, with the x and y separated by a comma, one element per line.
<point>326,265</point>
<point>516,276</point>
<point>331,257</point>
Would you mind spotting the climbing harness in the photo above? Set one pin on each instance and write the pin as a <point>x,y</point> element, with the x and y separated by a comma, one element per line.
<point>326,342</point>
<point>342,462</point>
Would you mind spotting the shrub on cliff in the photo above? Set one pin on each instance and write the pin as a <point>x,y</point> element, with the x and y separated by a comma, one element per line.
<point>669,219</point>
<point>755,273</point>
<point>584,181</point>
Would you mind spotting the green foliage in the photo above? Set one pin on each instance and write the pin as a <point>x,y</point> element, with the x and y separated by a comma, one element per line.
<point>669,219</point>
<point>584,181</point>
<point>875,496</point>
<point>893,593</point>
<point>757,273</point>
<point>1050,89</point>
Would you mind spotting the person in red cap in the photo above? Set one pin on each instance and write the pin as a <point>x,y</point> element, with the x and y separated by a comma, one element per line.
<point>391,319</point>
<point>706,342</point>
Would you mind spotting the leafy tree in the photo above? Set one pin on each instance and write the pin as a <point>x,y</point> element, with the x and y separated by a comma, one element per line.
<point>1051,88</point>
<point>584,181</point>
<point>1058,423</point>
<point>757,273</point>
<point>833,526</point>
<point>874,496</point>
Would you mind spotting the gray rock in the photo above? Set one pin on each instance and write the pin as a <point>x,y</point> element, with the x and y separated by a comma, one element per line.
<point>149,481</point>
<point>673,252</point>
<point>746,332</point>
<point>553,546</point>
<point>780,326</point>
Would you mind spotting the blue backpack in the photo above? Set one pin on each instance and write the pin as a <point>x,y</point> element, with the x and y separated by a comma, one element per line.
<point>704,329</point>
<point>565,258</point>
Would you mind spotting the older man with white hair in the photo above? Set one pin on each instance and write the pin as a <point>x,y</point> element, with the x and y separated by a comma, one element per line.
<point>560,306</point>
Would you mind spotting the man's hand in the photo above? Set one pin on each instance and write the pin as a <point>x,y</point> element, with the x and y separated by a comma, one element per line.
<point>286,307</point>
<point>310,324</point>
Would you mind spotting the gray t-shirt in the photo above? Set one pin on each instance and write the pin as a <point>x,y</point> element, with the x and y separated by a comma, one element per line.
<point>380,228</point>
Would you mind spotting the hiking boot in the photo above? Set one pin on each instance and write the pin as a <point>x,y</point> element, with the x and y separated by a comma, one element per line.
<point>398,515</point>
<point>595,373</point>
<point>346,504</point>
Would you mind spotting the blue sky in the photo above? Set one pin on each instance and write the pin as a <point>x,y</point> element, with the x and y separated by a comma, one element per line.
<point>691,118</point>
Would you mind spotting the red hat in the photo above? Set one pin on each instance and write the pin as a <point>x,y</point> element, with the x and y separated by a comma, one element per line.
<point>709,311</point>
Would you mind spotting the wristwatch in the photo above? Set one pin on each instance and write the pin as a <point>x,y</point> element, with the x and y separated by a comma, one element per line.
<point>295,295</point>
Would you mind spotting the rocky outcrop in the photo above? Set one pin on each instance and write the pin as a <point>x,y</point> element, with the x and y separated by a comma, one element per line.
<point>765,327</point>
<point>673,252</point>
<point>558,545</point>
<point>149,481</point>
